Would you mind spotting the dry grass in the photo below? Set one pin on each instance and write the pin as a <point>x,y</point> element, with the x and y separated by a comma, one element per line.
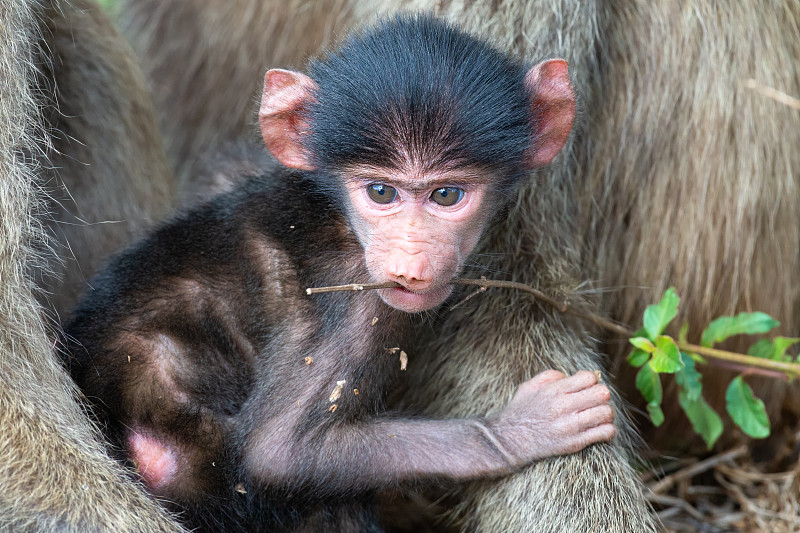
<point>726,492</point>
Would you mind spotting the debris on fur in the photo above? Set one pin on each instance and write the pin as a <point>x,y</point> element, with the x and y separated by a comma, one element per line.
<point>337,391</point>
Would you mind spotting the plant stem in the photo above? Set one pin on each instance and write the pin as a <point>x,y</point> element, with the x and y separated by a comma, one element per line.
<point>486,283</point>
<point>748,361</point>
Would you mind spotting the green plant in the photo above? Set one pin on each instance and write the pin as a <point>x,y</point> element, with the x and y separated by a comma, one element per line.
<point>655,353</point>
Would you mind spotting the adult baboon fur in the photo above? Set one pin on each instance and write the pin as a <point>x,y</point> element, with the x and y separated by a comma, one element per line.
<point>692,180</point>
<point>54,473</point>
<point>107,175</point>
<point>683,176</point>
<point>285,33</point>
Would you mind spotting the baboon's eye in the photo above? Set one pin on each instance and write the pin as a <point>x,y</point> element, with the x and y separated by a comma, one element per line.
<point>381,194</point>
<point>447,196</point>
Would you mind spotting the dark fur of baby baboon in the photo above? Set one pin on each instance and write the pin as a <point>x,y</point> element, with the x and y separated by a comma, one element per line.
<point>682,176</point>
<point>664,197</point>
<point>250,405</point>
<point>485,348</point>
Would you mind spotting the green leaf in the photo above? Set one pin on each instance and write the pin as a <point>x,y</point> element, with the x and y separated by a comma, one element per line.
<point>657,317</point>
<point>683,334</point>
<point>743,323</point>
<point>705,421</point>
<point>637,358</point>
<point>746,410</point>
<point>762,349</point>
<point>689,379</point>
<point>649,384</point>
<point>780,345</point>
<point>656,414</point>
<point>666,359</point>
<point>643,343</point>
<point>775,349</point>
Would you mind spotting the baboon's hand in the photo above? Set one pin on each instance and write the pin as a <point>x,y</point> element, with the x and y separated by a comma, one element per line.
<point>553,414</point>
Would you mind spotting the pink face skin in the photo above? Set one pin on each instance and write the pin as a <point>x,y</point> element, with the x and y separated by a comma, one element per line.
<point>411,237</point>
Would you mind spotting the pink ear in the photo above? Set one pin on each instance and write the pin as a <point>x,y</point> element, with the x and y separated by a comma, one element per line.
<point>554,106</point>
<point>285,97</point>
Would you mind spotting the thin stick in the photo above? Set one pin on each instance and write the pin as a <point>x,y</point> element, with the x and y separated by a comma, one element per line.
<point>486,283</point>
<point>671,501</point>
<point>765,366</point>
<point>468,298</point>
<point>774,94</point>
<point>353,287</point>
<point>697,468</point>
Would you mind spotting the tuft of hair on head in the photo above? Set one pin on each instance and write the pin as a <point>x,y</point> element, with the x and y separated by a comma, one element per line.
<point>416,92</point>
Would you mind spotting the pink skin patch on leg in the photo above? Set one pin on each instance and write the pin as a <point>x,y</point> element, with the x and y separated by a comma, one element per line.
<point>157,463</point>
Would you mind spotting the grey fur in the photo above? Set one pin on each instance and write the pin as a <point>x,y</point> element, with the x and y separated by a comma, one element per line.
<point>54,474</point>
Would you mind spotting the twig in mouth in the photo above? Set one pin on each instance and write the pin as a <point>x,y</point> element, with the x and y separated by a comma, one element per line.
<point>756,365</point>
<point>353,287</point>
